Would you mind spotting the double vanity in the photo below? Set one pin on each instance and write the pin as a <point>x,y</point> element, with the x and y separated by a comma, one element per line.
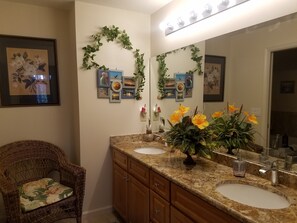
<point>151,184</point>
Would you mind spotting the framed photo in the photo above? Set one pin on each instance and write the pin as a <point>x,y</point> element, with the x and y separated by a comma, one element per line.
<point>189,81</point>
<point>214,78</point>
<point>102,78</point>
<point>170,83</point>
<point>128,93</point>
<point>180,96</point>
<point>180,77</point>
<point>103,92</point>
<point>169,93</point>
<point>188,92</point>
<point>115,97</point>
<point>129,82</point>
<point>287,87</point>
<point>28,71</point>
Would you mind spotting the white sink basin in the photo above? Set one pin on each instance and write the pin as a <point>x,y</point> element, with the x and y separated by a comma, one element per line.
<point>253,196</point>
<point>150,150</point>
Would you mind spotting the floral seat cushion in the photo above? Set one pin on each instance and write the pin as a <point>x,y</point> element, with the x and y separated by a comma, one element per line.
<point>42,192</point>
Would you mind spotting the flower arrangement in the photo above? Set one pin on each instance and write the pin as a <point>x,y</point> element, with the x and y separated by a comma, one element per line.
<point>234,128</point>
<point>189,134</point>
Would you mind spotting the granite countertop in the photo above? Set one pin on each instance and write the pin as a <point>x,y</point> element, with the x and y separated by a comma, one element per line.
<point>203,178</point>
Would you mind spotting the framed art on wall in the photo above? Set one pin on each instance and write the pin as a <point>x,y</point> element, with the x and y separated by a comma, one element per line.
<point>214,78</point>
<point>28,71</point>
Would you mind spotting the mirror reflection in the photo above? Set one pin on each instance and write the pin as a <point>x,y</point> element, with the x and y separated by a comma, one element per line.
<point>260,74</point>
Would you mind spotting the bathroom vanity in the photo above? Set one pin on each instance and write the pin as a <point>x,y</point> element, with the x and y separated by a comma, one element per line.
<point>159,188</point>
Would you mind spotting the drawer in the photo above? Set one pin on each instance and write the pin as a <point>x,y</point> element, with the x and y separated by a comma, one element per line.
<point>120,158</point>
<point>160,185</point>
<point>196,208</point>
<point>159,209</point>
<point>177,217</point>
<point>139,171</point>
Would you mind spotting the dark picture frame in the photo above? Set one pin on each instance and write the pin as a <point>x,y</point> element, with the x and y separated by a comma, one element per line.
<point>28,71</point>
<point>214,78</point>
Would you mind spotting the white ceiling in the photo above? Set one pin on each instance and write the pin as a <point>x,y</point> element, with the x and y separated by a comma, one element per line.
<point>143,6</point>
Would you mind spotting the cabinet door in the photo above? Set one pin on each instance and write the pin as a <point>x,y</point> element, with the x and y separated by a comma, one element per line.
<point>138,203</point>
<point>178,217</point>
<point>120,191</point>
<point>159,209</point>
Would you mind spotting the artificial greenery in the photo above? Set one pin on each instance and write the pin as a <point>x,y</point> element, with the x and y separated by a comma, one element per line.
<point>233,129</point>
<point>111,34</point>
<point>163,76</point>
<point>190,133</point>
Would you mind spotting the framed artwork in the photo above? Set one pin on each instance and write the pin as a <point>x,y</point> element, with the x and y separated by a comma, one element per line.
<point>214,78</point>
<point>287,87</point>
<point>128,93</point>
<point>28,71</point>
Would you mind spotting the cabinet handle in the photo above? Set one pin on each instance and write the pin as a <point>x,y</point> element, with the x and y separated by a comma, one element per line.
<point>126,178</point>
<point>156,185</point>
<point>157,211</point>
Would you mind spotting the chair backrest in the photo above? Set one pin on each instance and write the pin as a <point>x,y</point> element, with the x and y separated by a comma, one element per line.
<point>28,160</point>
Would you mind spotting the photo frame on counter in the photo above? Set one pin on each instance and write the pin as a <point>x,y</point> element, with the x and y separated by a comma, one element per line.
<point>28,71</point>
<point>214,78</point>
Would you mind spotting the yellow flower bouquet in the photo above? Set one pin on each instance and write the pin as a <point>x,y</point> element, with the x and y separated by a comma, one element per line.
<point>233,129</point>
<point>189,134</point>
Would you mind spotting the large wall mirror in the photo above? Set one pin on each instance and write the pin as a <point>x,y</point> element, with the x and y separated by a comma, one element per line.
<point>256,76</point>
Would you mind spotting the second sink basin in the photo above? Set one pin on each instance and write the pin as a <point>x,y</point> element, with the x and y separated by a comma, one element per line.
<point>150,150</point>
<point>253,196</point>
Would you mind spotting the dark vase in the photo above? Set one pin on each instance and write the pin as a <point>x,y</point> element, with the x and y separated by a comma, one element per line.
<point>230,150</point>
<point>189,161</point>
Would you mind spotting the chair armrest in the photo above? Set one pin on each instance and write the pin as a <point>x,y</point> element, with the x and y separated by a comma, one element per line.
<point>73,176</point>
<point>11,197</point>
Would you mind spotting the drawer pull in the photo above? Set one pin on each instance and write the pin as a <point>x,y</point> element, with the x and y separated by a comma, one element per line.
<point>156,185</point>
<point>157,211</point>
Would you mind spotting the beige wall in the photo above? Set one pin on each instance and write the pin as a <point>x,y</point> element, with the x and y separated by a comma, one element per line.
<point>50,123</point>
<point>82,124</point>
<point>99,119</point>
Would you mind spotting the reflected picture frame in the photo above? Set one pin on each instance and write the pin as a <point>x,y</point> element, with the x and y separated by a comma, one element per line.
<point>28,71</point>
<point>214,78</point>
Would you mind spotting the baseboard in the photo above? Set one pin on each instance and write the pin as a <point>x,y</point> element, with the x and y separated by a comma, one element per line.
<point>104,213</point>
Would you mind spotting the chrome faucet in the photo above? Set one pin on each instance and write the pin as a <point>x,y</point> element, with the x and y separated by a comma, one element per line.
<point>274,172</point>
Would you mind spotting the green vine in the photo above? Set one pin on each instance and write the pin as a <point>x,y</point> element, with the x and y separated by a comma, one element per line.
<point>121,37</point>
<point>162,70</point>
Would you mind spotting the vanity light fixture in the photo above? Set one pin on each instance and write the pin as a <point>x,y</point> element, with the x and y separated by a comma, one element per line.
<point>210,8</point>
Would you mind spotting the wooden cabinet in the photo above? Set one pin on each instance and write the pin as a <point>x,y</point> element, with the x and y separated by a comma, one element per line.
<point>196,208</point>
<point>141,195</point>
<point>130,188</point>
<point>159,209</point>
<point>138,201</point>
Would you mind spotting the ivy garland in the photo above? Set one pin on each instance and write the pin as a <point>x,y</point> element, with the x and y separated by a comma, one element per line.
<point>119,36</point>
<point>163,76</point>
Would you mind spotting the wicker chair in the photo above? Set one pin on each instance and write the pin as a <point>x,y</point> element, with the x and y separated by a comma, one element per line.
<point>26,161</point>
